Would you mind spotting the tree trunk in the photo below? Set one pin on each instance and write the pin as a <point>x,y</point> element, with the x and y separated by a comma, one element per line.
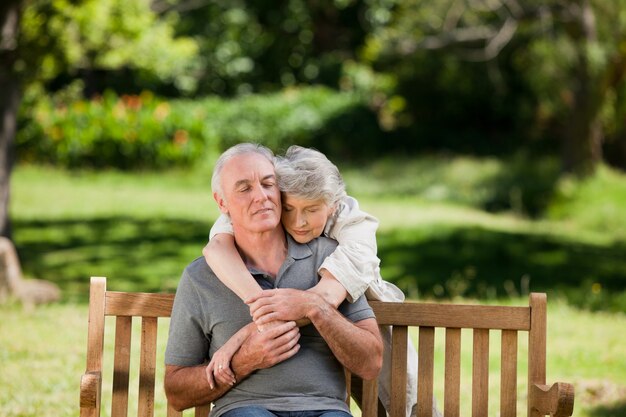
<point>582,141</point>
<point>10,96</point>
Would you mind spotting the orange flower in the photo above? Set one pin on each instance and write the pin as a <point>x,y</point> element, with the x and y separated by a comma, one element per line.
<point>181,137</point>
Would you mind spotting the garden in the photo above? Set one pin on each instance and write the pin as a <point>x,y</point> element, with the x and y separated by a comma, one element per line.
<point>487,137</point>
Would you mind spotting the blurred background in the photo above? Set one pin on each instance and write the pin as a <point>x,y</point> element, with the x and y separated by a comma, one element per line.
<point>487,136</point>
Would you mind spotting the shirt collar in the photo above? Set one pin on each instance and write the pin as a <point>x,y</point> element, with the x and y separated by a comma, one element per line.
<point>295,251</point>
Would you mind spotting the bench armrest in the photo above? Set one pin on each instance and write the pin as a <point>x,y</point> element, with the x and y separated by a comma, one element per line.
<point>556,400</point>
<point>90,384</point>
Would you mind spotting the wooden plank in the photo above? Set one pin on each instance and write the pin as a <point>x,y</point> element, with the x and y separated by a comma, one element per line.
<point>536,345</point>
<point>452,382</point>
<point>399,341</point>
<point>369,406</point>
<point>121,366</point>
<point>480,373</point>
<point>425,370</point>
<point>173,413</point>
<point>508,374</point>
<point>147,366</point>
<point>139,304</point>
<point>202,410</point>
<point>95,336</point>
<point>452,315</point>
<point>92,386</point>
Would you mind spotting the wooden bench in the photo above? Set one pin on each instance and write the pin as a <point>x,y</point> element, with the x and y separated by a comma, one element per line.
<point>481,320</point>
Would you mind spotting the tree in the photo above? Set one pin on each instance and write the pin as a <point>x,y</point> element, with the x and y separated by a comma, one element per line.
<point>570,53</point>
<point>42,40</point>
<point>10,11</point>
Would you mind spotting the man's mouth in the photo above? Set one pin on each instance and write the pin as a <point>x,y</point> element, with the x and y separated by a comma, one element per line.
<point>263,211</point>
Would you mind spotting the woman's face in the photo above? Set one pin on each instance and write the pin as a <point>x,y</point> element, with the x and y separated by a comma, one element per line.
<point>304,219</point>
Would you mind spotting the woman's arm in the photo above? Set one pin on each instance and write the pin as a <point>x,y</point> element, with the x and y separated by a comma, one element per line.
<point>222,256</point>
<point>218,369</point>
<point>354,263</point>
<point>273,308</point>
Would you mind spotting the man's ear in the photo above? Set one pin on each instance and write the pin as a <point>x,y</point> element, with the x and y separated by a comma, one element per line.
<point>221,203</point>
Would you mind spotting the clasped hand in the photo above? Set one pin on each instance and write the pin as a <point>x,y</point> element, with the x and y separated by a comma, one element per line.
<point>281,304</point>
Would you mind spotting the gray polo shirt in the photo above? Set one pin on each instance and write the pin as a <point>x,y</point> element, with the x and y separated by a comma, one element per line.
<point>206,314</point>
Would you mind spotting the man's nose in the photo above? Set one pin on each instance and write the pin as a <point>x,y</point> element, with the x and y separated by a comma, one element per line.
<point>260,193</point>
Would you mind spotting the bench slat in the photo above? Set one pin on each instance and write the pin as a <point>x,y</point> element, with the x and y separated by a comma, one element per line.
<point>537,346</point>
<point>202,411</point>
<point>480,373</point>
<point>425,371</point>
<point>399,340</point>
<point>121,366</point>
<point>370,399</point>
<point>452,315</point>
<point>173,413</point>
<point>452,383</point>
<point>508,374</point>
<point>147,366</point>
<point>138,304</point>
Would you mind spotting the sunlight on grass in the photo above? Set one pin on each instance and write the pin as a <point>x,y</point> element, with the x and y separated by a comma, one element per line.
<point>46,193</point>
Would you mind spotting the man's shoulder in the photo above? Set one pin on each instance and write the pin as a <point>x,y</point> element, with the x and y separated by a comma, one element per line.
<point>198,270</point>
<point>322,243</point>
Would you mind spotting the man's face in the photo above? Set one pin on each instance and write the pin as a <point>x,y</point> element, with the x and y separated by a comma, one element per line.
<point>250,193</point>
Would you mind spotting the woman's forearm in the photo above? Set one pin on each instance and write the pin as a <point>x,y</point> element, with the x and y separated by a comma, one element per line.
<point>222,256</point>
<point>330,289</point>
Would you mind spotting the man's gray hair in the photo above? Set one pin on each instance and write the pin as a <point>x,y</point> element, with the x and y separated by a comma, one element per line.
<point>236,150</point>
<point>307,173</point>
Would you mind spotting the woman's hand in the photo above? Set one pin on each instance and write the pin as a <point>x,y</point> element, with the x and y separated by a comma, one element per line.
<point>218,370</point>
<point>281,304</point>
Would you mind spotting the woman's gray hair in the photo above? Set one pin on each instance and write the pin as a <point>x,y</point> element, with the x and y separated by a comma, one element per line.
<point>236,150</point>
<point>307,173</point>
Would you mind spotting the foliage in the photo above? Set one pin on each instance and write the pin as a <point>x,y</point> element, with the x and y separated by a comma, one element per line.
<point>596,203</point>
<point>252,45</point>
<point>518,183</point>
<point>143,131</point>
<point>111,131</point>
<point>67,39</point>
<point>491,76</point>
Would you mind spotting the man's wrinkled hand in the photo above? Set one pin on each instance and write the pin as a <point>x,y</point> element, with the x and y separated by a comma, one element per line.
<point>266,348</point>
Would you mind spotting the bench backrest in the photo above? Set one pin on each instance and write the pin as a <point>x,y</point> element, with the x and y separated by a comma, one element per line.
<point>480,319</point>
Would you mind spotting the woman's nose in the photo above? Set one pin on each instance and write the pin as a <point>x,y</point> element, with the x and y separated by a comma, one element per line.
<point>300,220</point>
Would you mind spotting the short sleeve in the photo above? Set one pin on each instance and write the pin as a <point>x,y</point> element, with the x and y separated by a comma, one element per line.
<point>221,225</point>
<point>187,343</point>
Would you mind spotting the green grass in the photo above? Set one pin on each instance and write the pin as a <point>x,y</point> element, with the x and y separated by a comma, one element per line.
<point>451,228</point>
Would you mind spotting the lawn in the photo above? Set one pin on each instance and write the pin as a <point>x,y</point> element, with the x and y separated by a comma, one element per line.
<point>436,240</point>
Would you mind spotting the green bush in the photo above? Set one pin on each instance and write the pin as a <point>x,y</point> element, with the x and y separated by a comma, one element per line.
<point>143,131</point>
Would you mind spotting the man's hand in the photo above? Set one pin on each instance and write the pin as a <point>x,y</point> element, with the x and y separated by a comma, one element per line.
<point>188,386</point>
<point>282,304</point>
<point>267,348</point>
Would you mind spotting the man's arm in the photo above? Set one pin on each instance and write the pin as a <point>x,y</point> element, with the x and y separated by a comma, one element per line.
<point>187,386</point>
<point>358,346</point>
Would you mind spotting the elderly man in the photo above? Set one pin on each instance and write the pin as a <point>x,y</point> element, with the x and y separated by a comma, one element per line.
<point>282,370</point>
